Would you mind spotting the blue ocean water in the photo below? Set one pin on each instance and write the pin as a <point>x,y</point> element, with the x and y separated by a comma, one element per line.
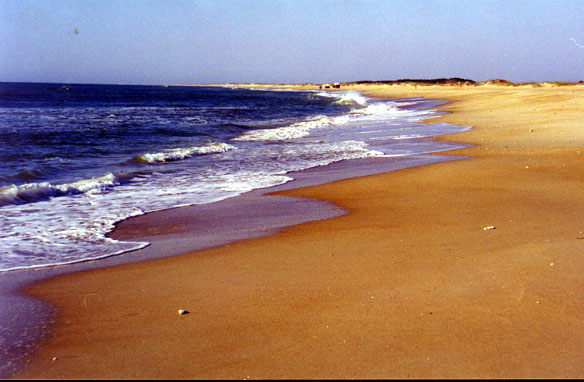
<point>76,159</point>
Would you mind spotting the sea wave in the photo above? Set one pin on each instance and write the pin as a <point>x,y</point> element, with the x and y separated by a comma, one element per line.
<point>183,153</point>
<point>34,192</point>
<point>293,131</point>
<point>384,109</point>
<point>352,98</point>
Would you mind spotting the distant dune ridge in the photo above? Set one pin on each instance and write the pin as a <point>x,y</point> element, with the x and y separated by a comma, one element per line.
<point>453,81</point>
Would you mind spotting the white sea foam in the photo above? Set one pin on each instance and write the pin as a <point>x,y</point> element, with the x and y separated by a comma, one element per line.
<point>383,108</point>
<point>32,192</point>
<point>80,222</point>
<point>293,131</point>
<point>367,114</point>
<point>352,98</point>
<point>183,153</point>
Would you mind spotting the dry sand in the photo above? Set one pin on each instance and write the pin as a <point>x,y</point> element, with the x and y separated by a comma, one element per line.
<point>408,285</point>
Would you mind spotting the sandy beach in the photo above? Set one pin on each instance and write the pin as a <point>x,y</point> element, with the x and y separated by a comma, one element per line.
<point>462,269</point>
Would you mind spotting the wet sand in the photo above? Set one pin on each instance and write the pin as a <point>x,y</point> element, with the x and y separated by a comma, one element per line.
<point>460,269</point>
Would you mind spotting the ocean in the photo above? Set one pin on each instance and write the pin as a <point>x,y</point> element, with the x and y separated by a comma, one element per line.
<point>77,159</point>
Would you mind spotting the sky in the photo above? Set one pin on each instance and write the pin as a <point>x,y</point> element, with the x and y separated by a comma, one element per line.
<point>289,41</point>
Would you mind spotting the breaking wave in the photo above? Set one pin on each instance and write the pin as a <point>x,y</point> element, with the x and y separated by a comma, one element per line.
<point>293,131</point>
<point>35,192</point>
<point>183,153</point>
<point>352,98</point>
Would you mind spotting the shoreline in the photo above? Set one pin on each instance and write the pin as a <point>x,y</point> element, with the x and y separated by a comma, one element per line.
<point>390,280</point>
<point>215,224</point>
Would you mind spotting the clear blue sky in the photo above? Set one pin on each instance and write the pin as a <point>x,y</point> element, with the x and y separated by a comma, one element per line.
<point>206,41</point>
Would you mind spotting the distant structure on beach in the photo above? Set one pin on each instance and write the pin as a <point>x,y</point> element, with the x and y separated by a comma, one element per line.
<point>336,85</point>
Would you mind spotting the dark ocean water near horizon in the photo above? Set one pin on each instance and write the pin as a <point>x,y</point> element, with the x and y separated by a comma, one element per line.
<point>76,159</point>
